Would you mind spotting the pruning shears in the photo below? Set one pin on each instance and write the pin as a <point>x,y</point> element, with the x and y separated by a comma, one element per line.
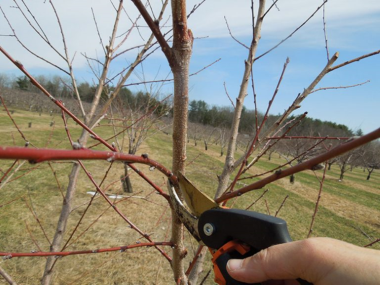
<point>228,233</point>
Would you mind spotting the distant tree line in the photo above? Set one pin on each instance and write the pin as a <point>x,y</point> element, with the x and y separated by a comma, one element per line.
<point>61,88</point>
<point>215,116</point>
<point>202,113</point>
<point>209,124</point>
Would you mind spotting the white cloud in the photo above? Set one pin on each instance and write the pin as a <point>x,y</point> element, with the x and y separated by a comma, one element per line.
<point>81,35</point>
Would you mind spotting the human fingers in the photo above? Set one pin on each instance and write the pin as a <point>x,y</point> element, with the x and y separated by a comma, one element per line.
<point>280,262</point>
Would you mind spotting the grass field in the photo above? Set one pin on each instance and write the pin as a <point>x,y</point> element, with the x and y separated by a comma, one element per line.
<point>31,199</point>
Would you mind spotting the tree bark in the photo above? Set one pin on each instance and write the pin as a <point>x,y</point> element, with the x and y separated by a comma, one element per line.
<point>70,192</point>
<point>180,61</point>
<point>62,223</point>
<point>126,180</point>
<point>229,165</point>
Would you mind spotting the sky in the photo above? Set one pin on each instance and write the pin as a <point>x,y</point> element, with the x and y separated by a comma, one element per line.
<point>352,29</point>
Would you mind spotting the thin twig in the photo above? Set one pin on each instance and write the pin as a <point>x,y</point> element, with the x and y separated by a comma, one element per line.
<point>296,30</point>
<point>132,225</point>
<point>254,202</point>
<point>255,140</point>
<point>274,4</point>
<point>9,255</point>
<point>32,210</point>
<point>282,204</point>
<point>225,89</point>
<point>317,202</point>
<point>353,60</point>
<point>339,150</point>
<point>56,102</point>
<point>195,8</point>
<point>171,79</point>
<point>268,146</point>
<point>325,33</point>
<point>307,138</point>
<point>13,121</point>
<point>232,36</point>
<point>372,243</point>
<point>267,206</point>
<point>340,87</point>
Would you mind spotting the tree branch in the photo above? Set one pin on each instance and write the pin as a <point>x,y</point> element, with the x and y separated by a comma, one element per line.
<point>307,165</point>
<point>155,30</point>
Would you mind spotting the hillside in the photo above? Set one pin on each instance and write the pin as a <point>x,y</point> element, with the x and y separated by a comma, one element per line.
<point>31,197</point>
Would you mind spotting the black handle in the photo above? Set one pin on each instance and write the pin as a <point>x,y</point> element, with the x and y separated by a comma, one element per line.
<point>217,227</point>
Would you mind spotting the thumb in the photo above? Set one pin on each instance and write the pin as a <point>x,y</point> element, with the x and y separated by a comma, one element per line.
<point>279,262</point>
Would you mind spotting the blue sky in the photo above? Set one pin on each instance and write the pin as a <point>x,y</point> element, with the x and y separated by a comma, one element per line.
<point>352,29</point>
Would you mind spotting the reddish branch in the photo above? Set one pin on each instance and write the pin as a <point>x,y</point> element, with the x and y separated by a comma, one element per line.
<point>38,221</point>
<point>132,225</point>
<point>307,137</point>
<point>11,201</point>
<point>289,162</point>
<point>32,237</point>
<point>318,200</point>
<point>267,147</point>
<point>8,255</point>
<point>13,121</point>
<point>8,171</point>
<point>56,180</point>
<point>40,155</point>
<point>193,262</point>
<point>150,182</point>
<point>307,165</point>
<point>144,116</point>
<point>282,205</point>
<point>254,202</point>
<point>155,30</point>
<point>372,243</point>
<point>55,101</point>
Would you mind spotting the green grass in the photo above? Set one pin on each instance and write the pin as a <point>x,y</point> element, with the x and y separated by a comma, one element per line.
<point>349,210</point>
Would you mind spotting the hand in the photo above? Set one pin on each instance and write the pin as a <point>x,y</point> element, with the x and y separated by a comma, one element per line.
<point>321,261</point>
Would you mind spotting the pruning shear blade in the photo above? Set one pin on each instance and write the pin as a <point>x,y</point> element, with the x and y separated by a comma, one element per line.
<point>195,199</point>
<point>189,220</point>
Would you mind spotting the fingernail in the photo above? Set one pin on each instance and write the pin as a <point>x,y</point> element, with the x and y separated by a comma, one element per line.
<point>234,264</point>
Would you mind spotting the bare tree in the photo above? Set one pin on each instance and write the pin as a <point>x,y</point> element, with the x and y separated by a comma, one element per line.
<point>177,48</point>
<point>371,158</point>
<point>140,119</point>
<point>346,160</point>
<point>111,50</point>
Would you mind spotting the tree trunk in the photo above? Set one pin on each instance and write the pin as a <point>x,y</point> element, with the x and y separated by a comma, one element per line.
<point>180,61</point>
<point>229,165</point>
<point>369,173</point>
<point>126,180</point>
<point>342,171</point>
<point>62,223</point>
<point>198,266</point>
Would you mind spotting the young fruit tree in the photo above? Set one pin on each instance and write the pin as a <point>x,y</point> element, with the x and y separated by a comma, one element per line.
<point>129,238</point>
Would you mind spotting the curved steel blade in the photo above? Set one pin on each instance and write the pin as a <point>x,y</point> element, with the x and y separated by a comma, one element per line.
<point>190,221</point>
<point>195,199</point>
